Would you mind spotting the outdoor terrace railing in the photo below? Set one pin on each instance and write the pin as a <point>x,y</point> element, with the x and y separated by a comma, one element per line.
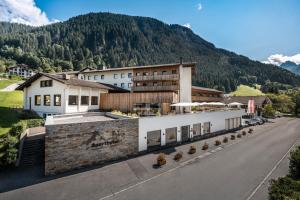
<point>155,88</point>
<point>161,77</point>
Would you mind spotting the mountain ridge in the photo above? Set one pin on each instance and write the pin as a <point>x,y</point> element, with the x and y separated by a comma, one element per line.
<point>114,40</point>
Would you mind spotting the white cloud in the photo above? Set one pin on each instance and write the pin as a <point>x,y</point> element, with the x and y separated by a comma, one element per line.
<point>199,7</point>
<point>278,59</point>
<point>24,12</point>
<point>188,25</point>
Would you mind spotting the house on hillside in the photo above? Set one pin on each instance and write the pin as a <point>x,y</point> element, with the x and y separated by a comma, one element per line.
<point>20,70</point>
<point>202,94</point>
<point>259,102</point>
<point>49,94</point>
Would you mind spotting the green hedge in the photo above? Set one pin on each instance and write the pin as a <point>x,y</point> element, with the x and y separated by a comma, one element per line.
<point>288,188</point>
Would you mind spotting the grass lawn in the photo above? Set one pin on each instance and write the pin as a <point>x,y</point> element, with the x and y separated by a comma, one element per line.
<point>9,116</point>
<point>5,83</point>
<point>244,90</point>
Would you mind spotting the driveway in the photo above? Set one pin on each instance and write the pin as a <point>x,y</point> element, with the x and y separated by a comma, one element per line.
<point>238,170</point>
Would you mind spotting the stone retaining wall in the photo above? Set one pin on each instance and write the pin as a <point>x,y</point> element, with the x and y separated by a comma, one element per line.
<point>71,146</point>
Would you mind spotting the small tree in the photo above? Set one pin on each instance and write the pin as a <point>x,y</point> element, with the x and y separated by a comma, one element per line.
<point>268,111</point>
<point>294,168</point>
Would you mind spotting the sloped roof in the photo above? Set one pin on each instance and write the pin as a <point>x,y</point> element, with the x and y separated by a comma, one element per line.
<point>258,100</point>
<point>73,82</point>
<point>196,88</point>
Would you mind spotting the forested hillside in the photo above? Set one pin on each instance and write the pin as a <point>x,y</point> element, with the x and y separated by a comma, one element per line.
<point>114,40</point>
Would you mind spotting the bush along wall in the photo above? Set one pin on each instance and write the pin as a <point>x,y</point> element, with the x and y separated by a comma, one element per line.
<point>288,187</point>
<point>9,142</point>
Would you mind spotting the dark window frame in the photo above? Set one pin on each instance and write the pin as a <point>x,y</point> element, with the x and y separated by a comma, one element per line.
<point>54,100</point>
<point>93,99</point>
<point>76,100</point>
<point>35,100</point>
<point>46,83</point>
<point>44,100</point>
<point>86,101</point>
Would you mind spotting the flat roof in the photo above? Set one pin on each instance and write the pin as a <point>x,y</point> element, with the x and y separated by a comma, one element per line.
<point>190,64</point>
<point>77,118</point>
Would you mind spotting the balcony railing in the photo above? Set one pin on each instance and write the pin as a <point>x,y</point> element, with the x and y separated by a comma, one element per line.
<point>155,88</point>
<point>167,77</point>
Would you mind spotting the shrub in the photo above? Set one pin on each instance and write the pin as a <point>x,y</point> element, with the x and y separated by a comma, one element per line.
<point>284,188</point>
<point>232,137</point>
<point>294,167</point>
<point>192,149</point>
<point>239,135</point>
<point>28,114</point>
<point>225,139</point>
<point>217,142</point>
<point>34,123</point>
<point>17,129</point>
<point>161,159</point>
<point>250,130</point>
<point>244,132</point>
<point>205,146</point>
<point>178,156</point>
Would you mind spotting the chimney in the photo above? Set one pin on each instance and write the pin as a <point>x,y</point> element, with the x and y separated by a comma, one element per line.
<point>66,76</point>
<point>181,60</point>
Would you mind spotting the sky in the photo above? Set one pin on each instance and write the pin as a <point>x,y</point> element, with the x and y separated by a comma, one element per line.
<point>264,30</point>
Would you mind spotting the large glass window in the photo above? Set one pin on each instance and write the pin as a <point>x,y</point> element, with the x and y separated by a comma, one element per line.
<point>46,83</point>
<point>95,77</point>
<point>47,100</point>
<point>122,85</point>
<point>73,100</point>
<point>129,75</point>
<point>102,77</point>
<point>57,100</point>
<point>37,100</point>
<point>122,75</point>
<point>115,76</point>
<point>94,100</point>
<point>84,100</point>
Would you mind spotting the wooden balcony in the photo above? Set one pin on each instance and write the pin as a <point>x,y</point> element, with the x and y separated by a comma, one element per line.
<point>155,88</point>
<point>165,77</point>
<point>206,99</point>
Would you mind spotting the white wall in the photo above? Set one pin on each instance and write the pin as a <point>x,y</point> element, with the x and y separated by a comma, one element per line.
<point>217,120</point>
<point>109,77</point>
<point>63,90</point>
<point>185,93</point>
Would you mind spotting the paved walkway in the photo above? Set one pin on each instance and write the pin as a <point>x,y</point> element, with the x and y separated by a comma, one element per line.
<point>11,87</point>
<point>138,177</point>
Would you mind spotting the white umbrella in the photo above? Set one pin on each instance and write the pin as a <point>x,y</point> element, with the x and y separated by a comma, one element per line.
<point>183,104</point>
<point>215,104</point>
<point>235,104</point>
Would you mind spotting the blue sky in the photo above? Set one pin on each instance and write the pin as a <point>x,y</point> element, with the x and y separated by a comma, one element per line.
<point>256,29</point>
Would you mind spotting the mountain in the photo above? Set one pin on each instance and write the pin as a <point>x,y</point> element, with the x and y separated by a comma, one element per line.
<point>114,40</point>
<point>291,66</point>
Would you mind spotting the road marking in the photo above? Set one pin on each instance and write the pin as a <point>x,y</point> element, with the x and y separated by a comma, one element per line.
<point>272,170</point>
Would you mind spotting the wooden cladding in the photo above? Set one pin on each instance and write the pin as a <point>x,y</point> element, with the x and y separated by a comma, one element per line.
<point>167,77</point>
<point>155,88</point>
<point>206,99</point>
<point>124,101</point>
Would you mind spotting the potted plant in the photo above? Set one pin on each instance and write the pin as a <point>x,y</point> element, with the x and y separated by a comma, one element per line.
<point>217,142</point>
<point>225,139</point>
<point>232,137</point>
<point>244,132</point>
<point>192,149</point>
<point>178,156</point>
<point>161,159</point>
<point>205,146</point>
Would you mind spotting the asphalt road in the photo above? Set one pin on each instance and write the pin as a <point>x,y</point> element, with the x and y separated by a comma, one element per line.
<point>239,171</point>
<point>233,173</point>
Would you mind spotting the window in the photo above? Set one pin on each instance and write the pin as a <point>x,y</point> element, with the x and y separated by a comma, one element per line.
<point>129,85</point>
<point>47,83</point>
<point>122,85</point>
<point>145,73</point>
<point>102,77</point>
<point>73,100</point>
<point>115,84</point>
<point>84,100</point>
<point>57,100</point>
<point>155,84</point>
<point>89,77</point>
<point>164,72</point>
<point>174,71</point>
<point>47,100</point>
<point>95,77</point>
<point>122,75</point>
<point>138,73</point>
<point>155,73</point>
<point>37,100</point>
<point>94,100</point>
<point>115,76</point>
<point>129,75</point>
<point>138,84</point>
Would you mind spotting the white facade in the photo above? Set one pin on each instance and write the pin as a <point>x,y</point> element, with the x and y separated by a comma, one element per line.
<point>216,119</point>
<point>119,78</point>
<point>21,71</point>
<point>64,91</point>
